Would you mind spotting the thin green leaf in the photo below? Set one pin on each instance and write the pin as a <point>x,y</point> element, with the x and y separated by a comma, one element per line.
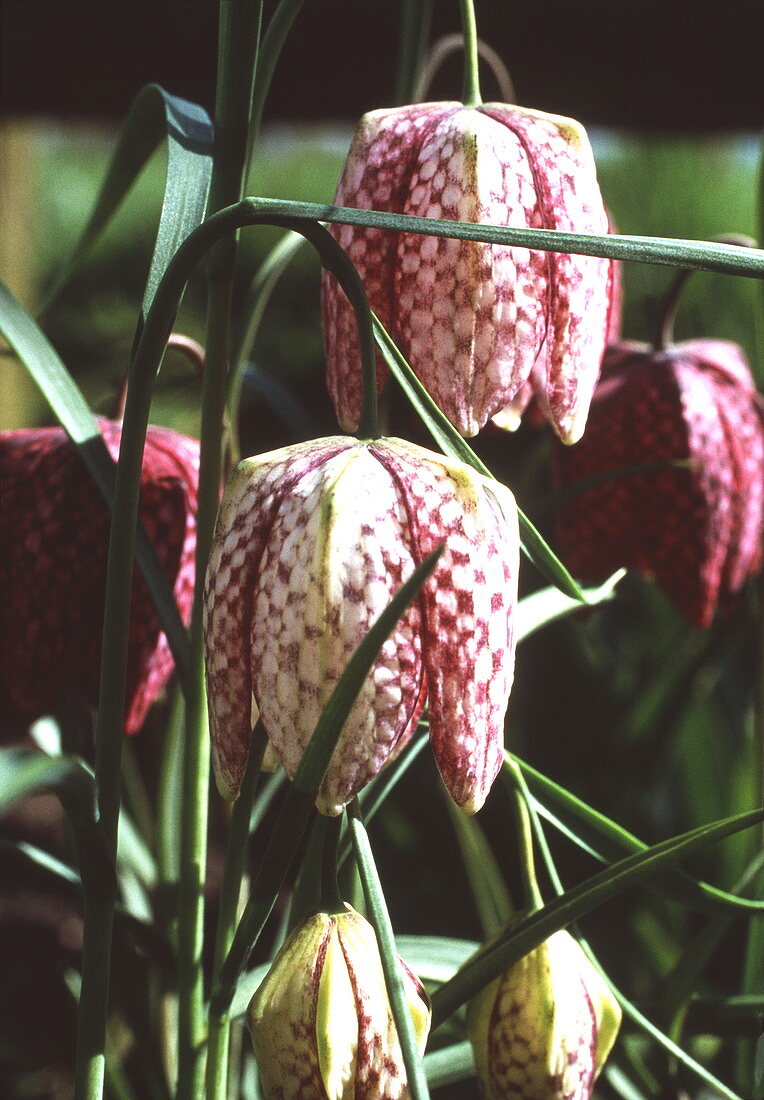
<point>682,885</point>
<point>154,116</point>
<point>453,445</point>
<point>435,958</point>
<point>697,255</point>
<point>272,44</point>
<point>297,807</point>
<point>628,1008</point>
<point>46,368</point>
<point>489,892</point>
<point>380,919</point>
<point>588,895</point>
<point>548,604</point>
<point>23,771</point>
<point>453,1063</point>
<point>263,285</point>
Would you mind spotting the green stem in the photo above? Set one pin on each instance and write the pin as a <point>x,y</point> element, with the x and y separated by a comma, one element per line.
<point>533,898</point>
<point>196,756</point>
<point>100,898</point>
<point>416,19</point>
<point>380,919</point>
<point>331,900</point>
<point>233,870</point>
<point>490,961</point>
<point>239,33</point>
<point>298,803</point>
<point>471,96</point>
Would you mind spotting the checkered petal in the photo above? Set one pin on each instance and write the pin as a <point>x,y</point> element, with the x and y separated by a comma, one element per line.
<point>698,529</point>
<point>321,1021</point>
<point>474,320</point>
<point>468,606</point>
<point>544,1028</point>
<point>312,542</point>
<point>55,536</point>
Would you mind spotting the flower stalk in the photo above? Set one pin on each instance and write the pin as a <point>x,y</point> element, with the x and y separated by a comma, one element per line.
<point>471,96</point>
<point>239,34</point>
<point>380,919</point>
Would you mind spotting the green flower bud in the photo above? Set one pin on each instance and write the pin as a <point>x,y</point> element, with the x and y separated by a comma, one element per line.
<point>321,1022</point>
<point>543,1029</point>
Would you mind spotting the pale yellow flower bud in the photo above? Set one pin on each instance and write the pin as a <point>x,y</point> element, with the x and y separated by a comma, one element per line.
<point>321,1022</point>
<point>543,1029</point>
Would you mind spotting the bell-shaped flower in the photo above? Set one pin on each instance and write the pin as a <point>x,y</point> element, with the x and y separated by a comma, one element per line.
<point>543,1029</point>
<point>55,536</point>
<point>321,1022</point>
<point>671,471</point>
<point>531,402</point>
<point>474,320</point>
<point>312,542</point>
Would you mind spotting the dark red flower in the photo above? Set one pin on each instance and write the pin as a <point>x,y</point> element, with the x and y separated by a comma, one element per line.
<point>696,527</point>
<point>55,535</point>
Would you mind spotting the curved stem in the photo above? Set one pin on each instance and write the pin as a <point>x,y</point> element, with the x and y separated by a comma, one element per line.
<point>416,19</point>
<point>664,336</point>
<point>449,44</point>
<point>533,898</point>
<point>471,82</point>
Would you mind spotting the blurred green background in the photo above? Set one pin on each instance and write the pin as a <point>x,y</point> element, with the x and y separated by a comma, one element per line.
<point>637,712</point>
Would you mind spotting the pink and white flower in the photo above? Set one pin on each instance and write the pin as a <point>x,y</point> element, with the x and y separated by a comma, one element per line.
<point>312,542</point>
<point>474,320</point>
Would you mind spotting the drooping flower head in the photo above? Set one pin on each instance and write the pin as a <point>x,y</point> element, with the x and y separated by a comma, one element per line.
<point>686,428</point>
<point>543,1029</point>
<point>474,320</point>
<point>55,535</point>
<point>321,1022</point>
<point>312,542</point>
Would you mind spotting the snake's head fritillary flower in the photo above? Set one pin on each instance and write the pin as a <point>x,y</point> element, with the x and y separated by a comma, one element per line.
<point>55,536</point>
<point>474,320</point>
<point>531,402</point>
<point>674,458</point>
<point>311,544</point>
<point>543,1029</point>
<point>321,1022</point>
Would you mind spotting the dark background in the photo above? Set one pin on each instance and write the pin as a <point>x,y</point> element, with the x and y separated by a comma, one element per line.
<point>658,64</point>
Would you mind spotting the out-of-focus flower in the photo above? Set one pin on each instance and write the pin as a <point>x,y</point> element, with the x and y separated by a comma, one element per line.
<point>312,542</point>
<point>55,535</point>
<point>321,1021</point>
<point>674,458</point>
<point>543,1029</point>
<point>474,319</point>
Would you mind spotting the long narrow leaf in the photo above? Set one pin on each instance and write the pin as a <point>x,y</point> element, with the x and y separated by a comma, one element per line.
<point>549,604</point>
<point>297,807</point>
<point>590,894</point>
<point>154,116</point>
<point>452,444</point>
<point>380,919</point>
<point>682,885</point>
